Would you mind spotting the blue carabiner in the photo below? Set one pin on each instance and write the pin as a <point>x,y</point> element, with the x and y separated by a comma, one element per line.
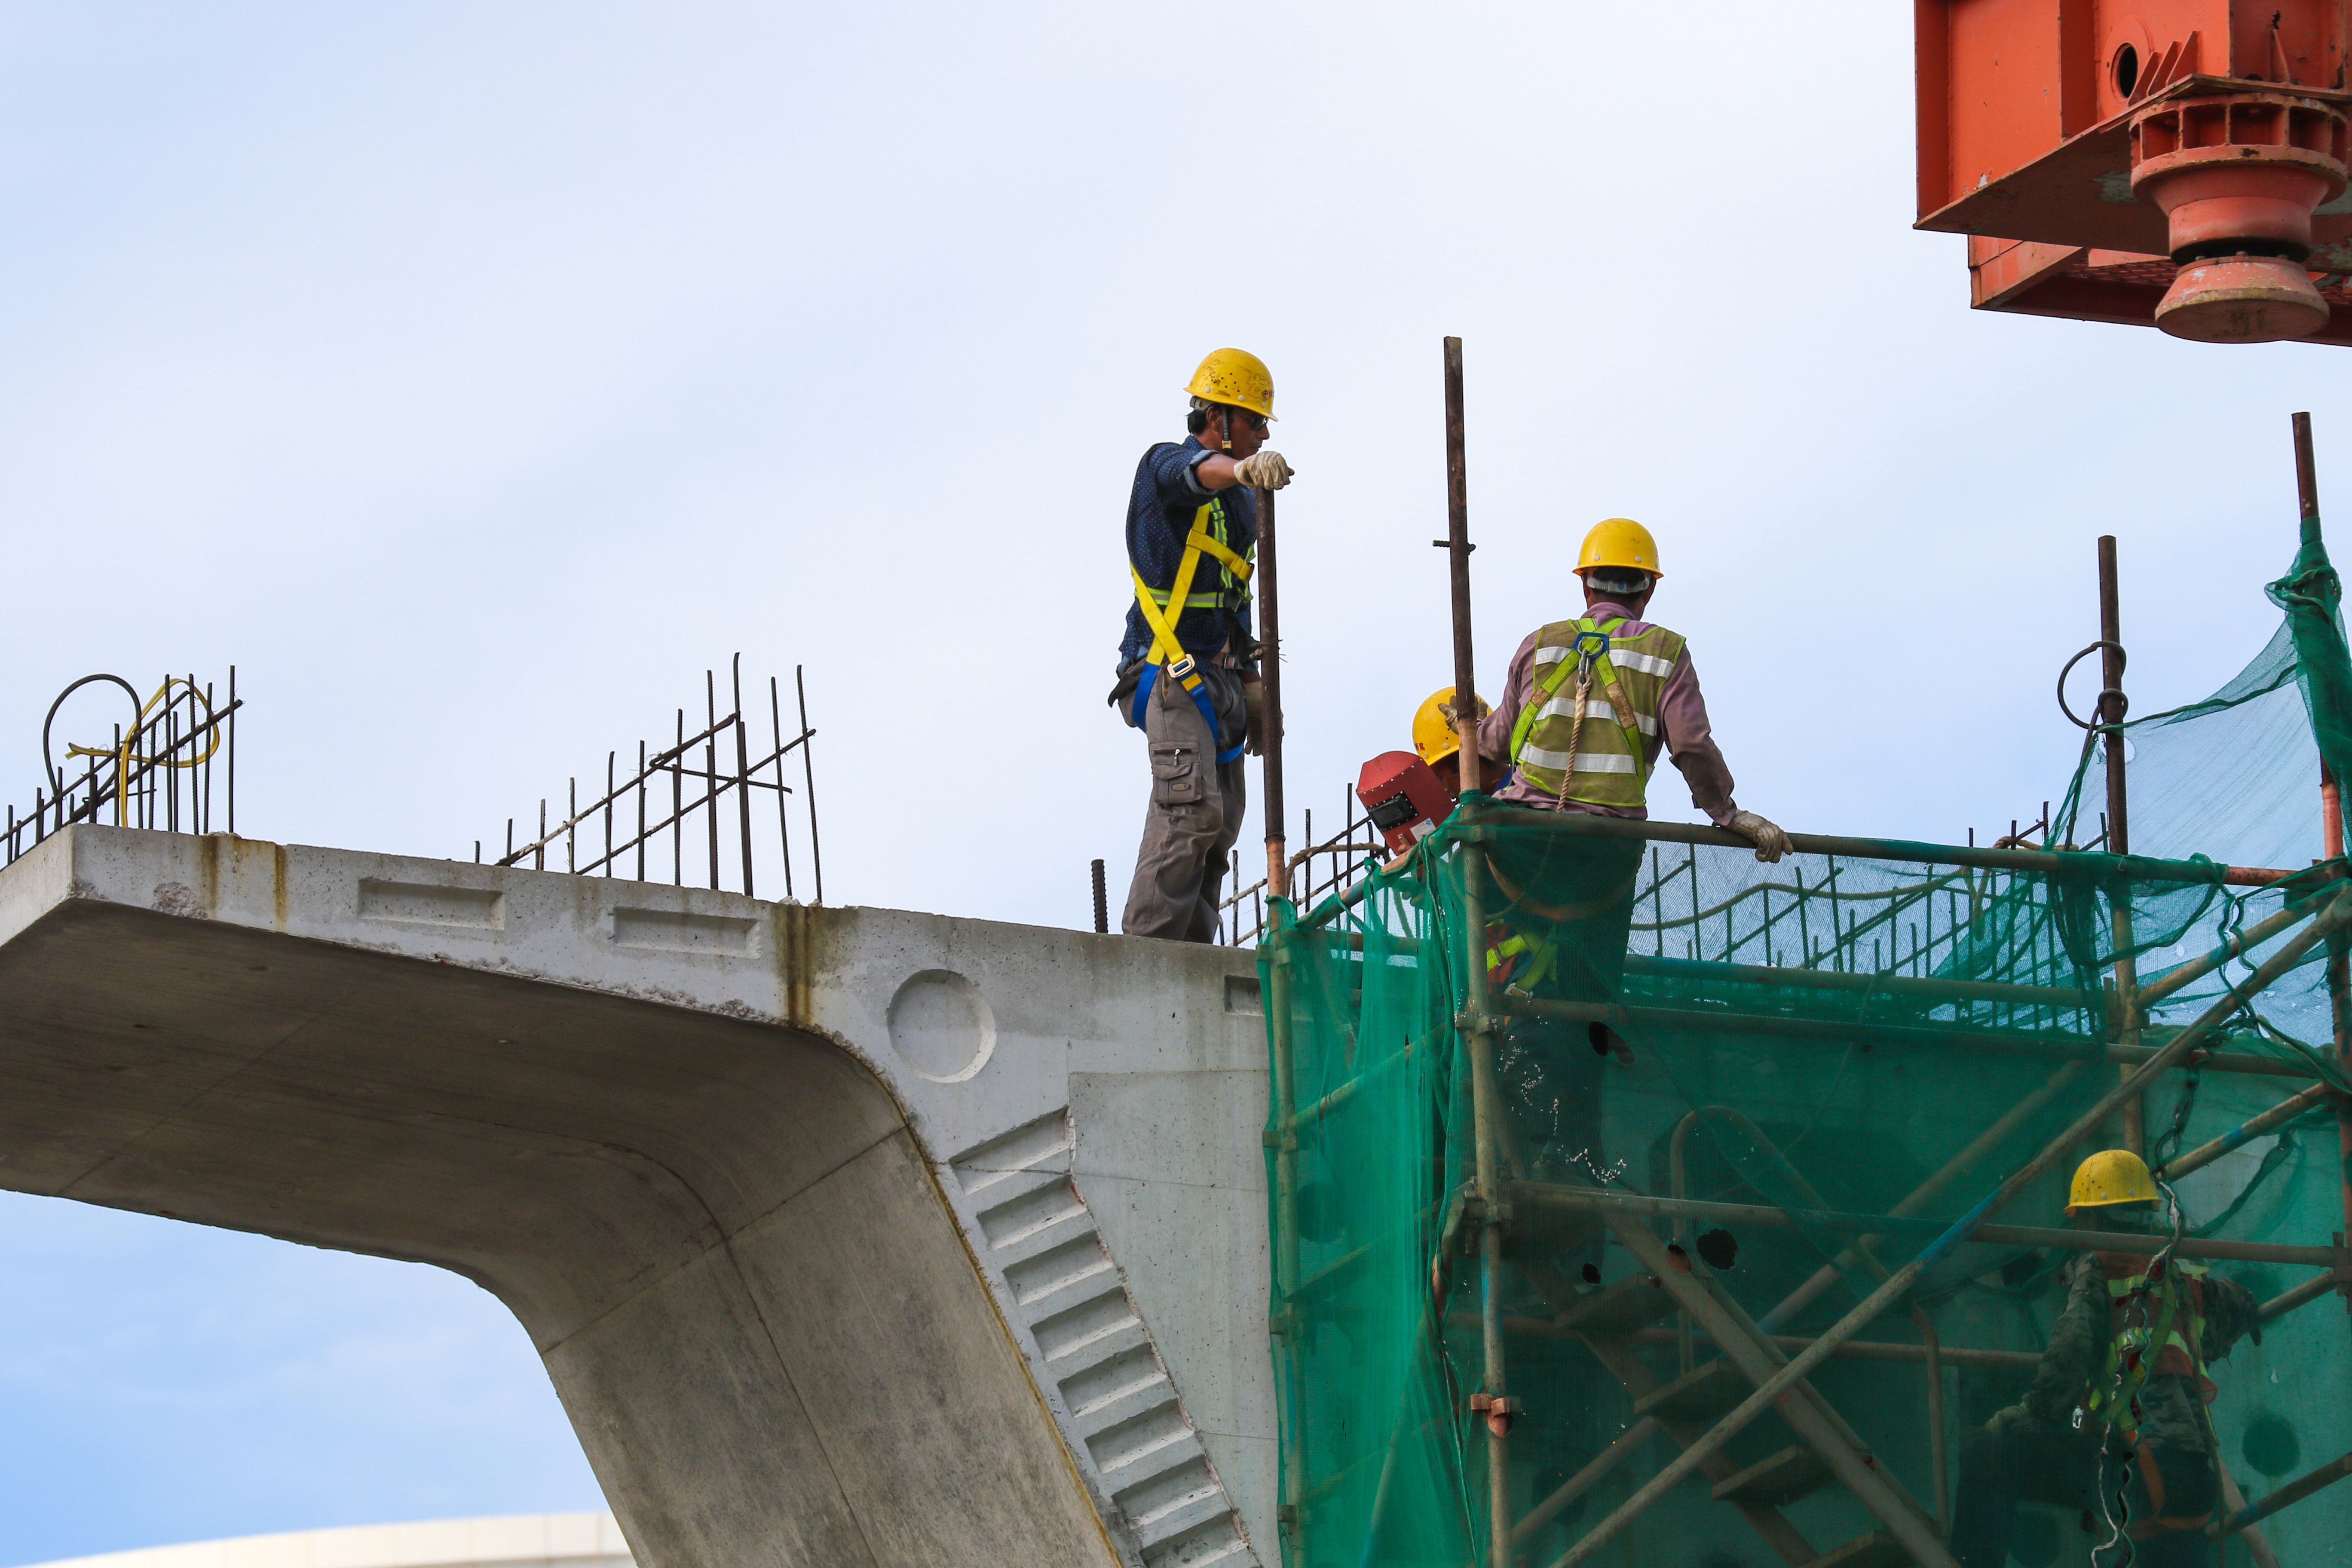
<point>1590,645</point>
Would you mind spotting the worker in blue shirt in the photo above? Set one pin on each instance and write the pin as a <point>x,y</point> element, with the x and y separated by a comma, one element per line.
<point>1188,664</point>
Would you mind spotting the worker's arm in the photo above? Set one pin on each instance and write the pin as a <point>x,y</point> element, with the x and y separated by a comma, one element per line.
<point>2077,1341</point>
<point>1495,729</point>
<point>2231,1312</point>
<point>1684,728</point>
<point>1218,471</point>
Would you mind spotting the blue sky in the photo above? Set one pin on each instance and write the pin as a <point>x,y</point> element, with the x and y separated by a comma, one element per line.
<point>473,377</point>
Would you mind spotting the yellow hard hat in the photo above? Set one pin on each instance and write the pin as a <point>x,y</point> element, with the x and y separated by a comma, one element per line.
<point>1619,541</point>
<point>1236,377</point>
<point>1434,735</point>
<point>2110,1176</point>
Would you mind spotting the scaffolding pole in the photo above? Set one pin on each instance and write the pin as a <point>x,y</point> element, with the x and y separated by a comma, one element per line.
<point>2111,707</point>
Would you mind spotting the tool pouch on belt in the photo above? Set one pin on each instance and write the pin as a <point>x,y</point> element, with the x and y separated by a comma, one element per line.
<point>1122,694</point>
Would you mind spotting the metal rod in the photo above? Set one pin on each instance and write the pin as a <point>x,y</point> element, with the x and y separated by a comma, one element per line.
<point>1102,900</point>
<point>1486,1116</point>
<point>1710,972</point>
<point>2253,1127</point>
<point>1287,1282</point>
<point>1539,1197</point>
<point>784,824</point>
<point>1955,1036</point>
<point>2339,953</point>
<point>1938,1461</point>
<point>1457,548</point>
<point>2072,863</point>
<point>1773,1390</point>
<point>2302,1295</point>
<point>808,778</point>
<point>2111,707</point>
<point>742,774</point>
<point>710,769</point>
<point>2295,1491</point>
<point>1270,689</point>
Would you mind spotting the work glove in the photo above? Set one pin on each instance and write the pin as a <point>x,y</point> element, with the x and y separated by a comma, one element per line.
<point>1254,701</point>
<point>2009,1419</point>
<point>1266,472</point>
<point>1769,841</point>
<point>1453,714</point>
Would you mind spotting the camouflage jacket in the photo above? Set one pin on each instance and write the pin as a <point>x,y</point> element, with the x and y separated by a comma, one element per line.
<point>2172,1408</point>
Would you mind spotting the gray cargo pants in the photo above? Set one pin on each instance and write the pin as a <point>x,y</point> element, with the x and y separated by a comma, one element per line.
<point>1195,814</point>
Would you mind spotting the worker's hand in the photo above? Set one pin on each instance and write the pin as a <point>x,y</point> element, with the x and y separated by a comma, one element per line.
<point>1254,701</point>
<point>1453,714</point>
<point>1266,472</point>
<point>1769,841</point>
<point>2009,1419</point>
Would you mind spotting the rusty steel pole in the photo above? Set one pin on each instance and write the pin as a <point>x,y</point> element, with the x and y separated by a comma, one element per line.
<point>2339,949</point>
<point>1278,869</point>
<point>2111,707</point>
<point>1457,548</point>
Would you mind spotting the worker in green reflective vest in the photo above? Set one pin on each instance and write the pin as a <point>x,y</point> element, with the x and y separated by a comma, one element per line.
<point>1588,706</point>
<point>2116,1424</point>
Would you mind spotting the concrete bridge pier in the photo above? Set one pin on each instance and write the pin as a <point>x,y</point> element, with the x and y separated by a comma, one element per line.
<point>848,1237</point>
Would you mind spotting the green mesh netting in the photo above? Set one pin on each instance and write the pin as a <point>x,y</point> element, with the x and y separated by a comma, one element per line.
<point>1885,1031</point>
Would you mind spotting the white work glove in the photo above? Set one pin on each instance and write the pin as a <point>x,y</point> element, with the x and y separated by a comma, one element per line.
<point>1266,472</point>
<point>1769,841</point>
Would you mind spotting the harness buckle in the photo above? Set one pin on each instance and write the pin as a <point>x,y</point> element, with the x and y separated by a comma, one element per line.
<point>1182,669</point>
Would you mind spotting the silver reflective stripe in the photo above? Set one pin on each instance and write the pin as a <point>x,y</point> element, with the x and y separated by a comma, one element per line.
<point>1585,762</point>
<point>1597,710</point>
<point>1648,664</point>
<point>1549,656</point>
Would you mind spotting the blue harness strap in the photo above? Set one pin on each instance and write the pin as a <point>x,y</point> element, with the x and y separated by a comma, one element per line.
<point>1189,676</point>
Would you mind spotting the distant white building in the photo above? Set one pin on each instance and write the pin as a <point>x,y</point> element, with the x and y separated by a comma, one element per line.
<point>512,1540</point>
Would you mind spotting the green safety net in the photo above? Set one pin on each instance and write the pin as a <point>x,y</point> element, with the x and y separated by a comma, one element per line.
<point>1886,1031</point>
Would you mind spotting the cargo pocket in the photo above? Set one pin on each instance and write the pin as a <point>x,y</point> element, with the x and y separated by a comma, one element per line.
<point>1175,774</point>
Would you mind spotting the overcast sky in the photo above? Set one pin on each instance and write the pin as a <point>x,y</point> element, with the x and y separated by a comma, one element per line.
<point>473,377</point>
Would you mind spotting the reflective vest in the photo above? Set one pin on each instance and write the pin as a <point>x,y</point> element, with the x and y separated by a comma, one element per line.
<point>1584,734</point>
<point>2169,1315</point>
<point>1518,961</point>
<point>1209,537</point>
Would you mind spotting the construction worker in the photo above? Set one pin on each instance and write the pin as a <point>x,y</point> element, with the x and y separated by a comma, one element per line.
<point>1587,705</point>
<point>1188,663</point>
<point>2116,1424</point>
<point>1439,743</point>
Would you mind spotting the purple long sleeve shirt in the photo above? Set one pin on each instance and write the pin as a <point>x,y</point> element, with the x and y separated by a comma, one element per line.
<point>1682,731</point>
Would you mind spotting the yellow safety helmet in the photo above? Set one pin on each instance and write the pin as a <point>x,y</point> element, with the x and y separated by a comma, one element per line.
<point>2110,1176</point>
<point>1235,376</point>
<point>1619,541</point>
<point>1434,735</point>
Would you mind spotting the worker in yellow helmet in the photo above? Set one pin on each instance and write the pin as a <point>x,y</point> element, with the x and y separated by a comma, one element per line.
<point>1590,703</point>
<point>1439,742</point>
<point>2115,1424</point>
<point>1188,661</point>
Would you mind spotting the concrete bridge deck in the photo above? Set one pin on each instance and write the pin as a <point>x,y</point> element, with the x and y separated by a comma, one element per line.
<point>848,1236</point>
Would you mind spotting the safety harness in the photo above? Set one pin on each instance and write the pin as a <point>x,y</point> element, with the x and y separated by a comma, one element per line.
<point>1165,649</point>
<point>1590,647</point>
<point>2142,1343</point>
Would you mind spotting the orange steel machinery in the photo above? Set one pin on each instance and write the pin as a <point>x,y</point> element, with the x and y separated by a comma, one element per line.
<point>2180,162</point>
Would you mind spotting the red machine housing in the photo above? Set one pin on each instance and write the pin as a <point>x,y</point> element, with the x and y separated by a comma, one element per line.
<point>1404,798</point>
<point>2173,163</point>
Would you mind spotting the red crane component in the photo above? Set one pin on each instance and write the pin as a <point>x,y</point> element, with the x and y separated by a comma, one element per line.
<point>2174,162</point>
